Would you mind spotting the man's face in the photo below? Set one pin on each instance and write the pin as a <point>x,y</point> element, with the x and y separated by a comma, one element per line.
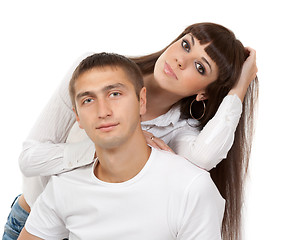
<point>107,106</point>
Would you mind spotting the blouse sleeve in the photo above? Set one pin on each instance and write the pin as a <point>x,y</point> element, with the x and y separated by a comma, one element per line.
<point>207,148</point>
<point>44,149</point>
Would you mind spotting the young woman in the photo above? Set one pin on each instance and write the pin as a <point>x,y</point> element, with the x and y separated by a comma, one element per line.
<point>199,88</point>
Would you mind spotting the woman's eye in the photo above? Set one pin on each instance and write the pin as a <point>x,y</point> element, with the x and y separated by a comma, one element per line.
<point>115,94</point>
<point>185,44</point>
<point>200,68</point>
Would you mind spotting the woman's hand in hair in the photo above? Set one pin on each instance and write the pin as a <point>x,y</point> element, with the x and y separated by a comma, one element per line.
<point>156,142</point>
<point>248,74</point>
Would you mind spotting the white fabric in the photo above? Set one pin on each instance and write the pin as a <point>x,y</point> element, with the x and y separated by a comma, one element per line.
<point>170,198</point>
<point>45,152</point>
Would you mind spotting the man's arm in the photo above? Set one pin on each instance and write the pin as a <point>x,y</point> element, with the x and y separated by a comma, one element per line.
<point>46,217</point>
<point>25,235</point>
<point>202,211</point>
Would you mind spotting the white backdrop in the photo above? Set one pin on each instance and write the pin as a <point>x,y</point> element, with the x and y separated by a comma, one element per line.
<point>41,39</point>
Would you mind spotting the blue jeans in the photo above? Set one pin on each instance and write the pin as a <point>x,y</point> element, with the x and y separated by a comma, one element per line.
<point>15,221</point>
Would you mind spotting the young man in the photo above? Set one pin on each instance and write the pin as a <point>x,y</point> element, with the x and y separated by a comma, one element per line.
<point>131,191</point>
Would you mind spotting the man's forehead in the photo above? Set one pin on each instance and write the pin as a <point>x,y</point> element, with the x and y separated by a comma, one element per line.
<point>104,76</point>
<point>101,81</point>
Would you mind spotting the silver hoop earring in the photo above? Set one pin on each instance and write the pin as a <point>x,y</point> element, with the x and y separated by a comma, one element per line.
<point>203,111</point>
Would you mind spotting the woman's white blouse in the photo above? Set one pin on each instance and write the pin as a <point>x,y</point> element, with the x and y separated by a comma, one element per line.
<point>49,149</point>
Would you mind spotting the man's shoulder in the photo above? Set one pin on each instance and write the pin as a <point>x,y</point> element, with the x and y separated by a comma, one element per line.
<point>183,177</point>
<point>177,166</point>
<point>175,159</point>
<point>75,176</point>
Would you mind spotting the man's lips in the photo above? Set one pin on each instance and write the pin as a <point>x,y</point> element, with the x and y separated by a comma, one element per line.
<point>107,127</point>
<point>168,70</point>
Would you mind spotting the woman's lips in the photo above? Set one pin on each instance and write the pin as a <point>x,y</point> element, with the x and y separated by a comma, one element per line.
<point>168,70</point>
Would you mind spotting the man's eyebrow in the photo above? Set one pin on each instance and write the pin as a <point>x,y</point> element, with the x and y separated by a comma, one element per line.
<point>104,89</point>
<point>86,93</point>
<point>112,86</point>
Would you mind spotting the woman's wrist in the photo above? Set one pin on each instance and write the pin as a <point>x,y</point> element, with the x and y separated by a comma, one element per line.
<point>239,90</point>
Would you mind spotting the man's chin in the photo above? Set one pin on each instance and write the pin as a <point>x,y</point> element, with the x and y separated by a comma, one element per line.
<point>109,144</point>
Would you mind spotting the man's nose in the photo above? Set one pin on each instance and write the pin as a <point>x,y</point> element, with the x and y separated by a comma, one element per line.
<point>103,109</point>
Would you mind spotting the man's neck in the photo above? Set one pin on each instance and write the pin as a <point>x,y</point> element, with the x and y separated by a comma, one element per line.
<point>124,162</point>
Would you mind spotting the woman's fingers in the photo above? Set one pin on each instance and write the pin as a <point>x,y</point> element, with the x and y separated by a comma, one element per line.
<point>156,142</point>
<point>149,140</point>
<point>161,144</point>
<point>249,69</point>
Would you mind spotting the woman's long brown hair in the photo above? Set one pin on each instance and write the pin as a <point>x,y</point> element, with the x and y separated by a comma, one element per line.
<point>229,55</point>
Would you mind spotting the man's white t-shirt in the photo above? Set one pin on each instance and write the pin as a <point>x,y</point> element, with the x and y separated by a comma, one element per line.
<point>170,198</point>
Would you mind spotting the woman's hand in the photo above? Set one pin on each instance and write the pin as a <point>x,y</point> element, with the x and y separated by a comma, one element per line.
<point>248,74</point>
<point>156,142</point>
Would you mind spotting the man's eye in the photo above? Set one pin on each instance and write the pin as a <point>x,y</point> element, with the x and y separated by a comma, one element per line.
<point>185,44</point>
<point>88,100</point>
<point>200,68</point>
<point>115,94</point>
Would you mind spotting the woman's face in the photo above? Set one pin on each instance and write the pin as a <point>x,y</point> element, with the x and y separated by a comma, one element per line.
<point>185,68</point>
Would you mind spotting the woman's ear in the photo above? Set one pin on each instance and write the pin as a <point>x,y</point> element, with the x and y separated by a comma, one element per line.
<point>143,101</point>
<point>201,96</point>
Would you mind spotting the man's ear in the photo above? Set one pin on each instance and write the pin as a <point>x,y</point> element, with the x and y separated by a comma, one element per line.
<point>201,96</point>
<point>143,101</point>
<point>77,117</point>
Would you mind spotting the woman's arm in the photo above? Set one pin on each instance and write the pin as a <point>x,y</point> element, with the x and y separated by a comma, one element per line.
<point>45,147</point>
<point>204,148</point>
<point>208,147</point>
<point>248,74</point>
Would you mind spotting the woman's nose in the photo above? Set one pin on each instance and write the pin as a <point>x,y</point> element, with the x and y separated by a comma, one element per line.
<point>180,63</point>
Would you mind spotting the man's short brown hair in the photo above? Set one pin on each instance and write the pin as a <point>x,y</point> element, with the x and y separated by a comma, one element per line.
<point>100,60</point>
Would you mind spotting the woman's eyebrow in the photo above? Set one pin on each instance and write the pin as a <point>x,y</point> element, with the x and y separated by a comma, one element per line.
<point>205,60</point>
<point>193,41</point>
